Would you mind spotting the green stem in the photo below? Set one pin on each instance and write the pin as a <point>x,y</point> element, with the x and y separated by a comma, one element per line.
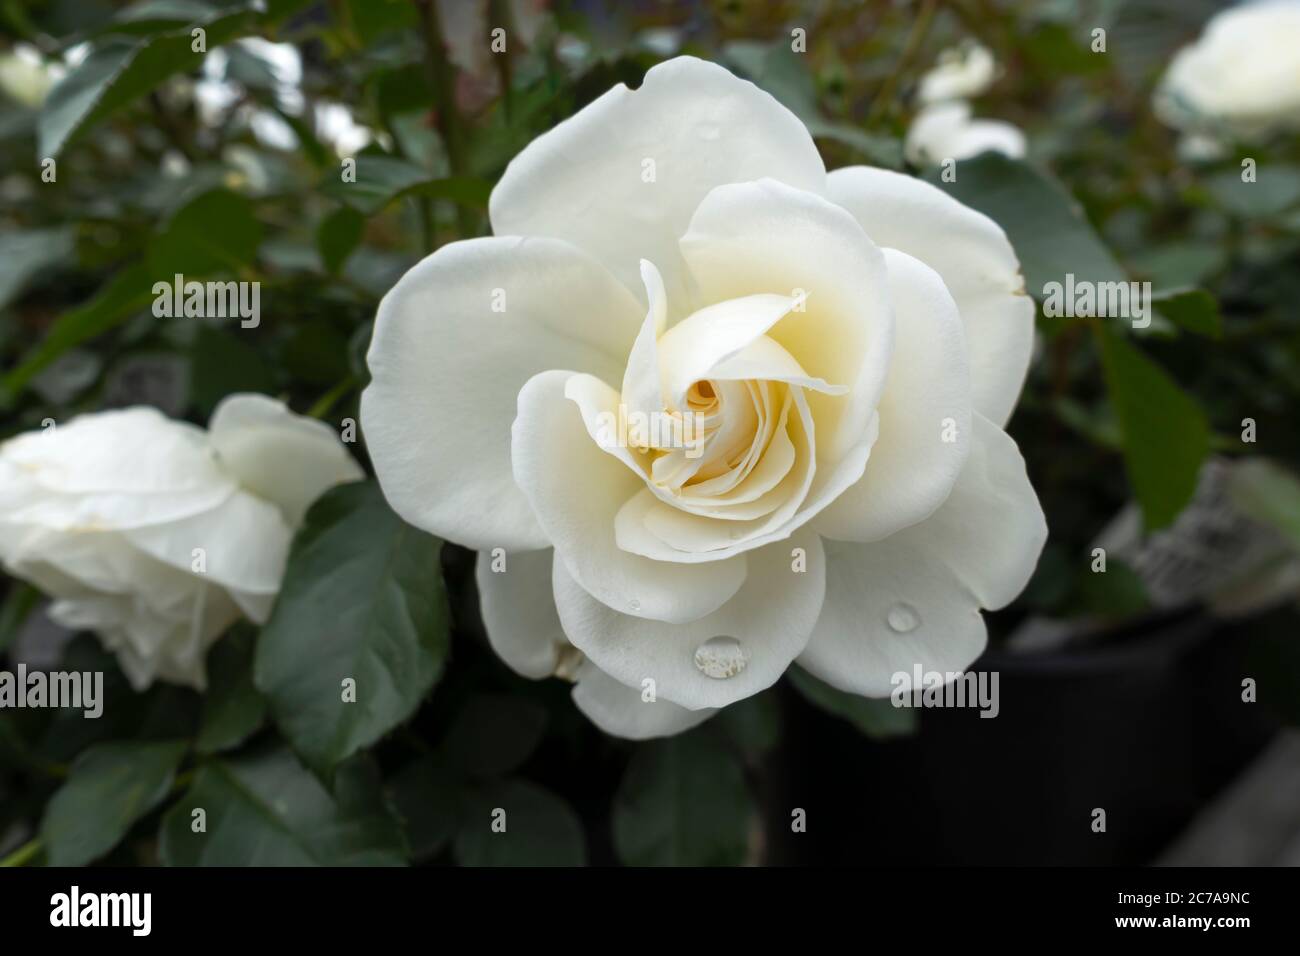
<point>914,40</point>
<point>328,400</point>
<point>24,853</point>
<point>443,76</point>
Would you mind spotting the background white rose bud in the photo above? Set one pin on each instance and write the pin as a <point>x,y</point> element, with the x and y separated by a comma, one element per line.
<point>854,341</point>
<point>1242,75</point>
<point>156,534</point>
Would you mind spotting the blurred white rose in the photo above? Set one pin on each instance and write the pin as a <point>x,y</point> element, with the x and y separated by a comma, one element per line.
<point>157,534</point>
<point>947,131</point>
<point>851,344</point>
<point>960,73</point>
<point>1241,77</point>
<point>24,76</point>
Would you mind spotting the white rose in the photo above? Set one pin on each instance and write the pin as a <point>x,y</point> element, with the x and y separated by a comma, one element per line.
<point>946,131</point>
<point>960,73</point>
<point>856,501</point>
<point>24,76</point>
<point>1241,77</point>
<point>157,534</point>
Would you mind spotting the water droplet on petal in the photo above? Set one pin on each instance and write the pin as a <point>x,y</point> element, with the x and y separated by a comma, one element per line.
<point>720,658</point>
<point>902,618</point>
<point>635,605</point>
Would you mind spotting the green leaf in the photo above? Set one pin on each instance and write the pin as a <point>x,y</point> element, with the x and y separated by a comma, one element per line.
<point>109,788</point>
<point>120,70</point>
<point>338,235</point>
<point>683,802</point>
<point>1165,433</point>
<point>1046,225</point>
<point>214,232</point>
<point>1276,189</point>
<point>125,294</point>
<point>1269,494</point>
<point>23,255</point>
<point>878,718</point>
<point>1192,309</point>
<point>753,724</point>
<point>383,179</point>
<point>233,710</point>
<point>540,828</point>
<point>493,734</point>
<point>426,796</point>
<point>362,600</point>
<point>266,809</point>
<point>222,363</point>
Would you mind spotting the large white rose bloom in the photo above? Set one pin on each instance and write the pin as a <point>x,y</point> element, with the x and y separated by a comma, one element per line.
<point>1241,77</point>
<point>853,343</point>
<point>157,534</point>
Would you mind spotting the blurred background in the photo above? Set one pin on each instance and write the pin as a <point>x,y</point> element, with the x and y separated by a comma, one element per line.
<point>126,154</point>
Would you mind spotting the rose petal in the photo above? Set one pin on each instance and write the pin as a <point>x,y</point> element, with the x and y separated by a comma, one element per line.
<point>286,459</point>
<point>972,255</point>
<point>978,550</point>
<point>576,488</point>
<point>771,618</point>
<point>585,181</point>
<point>620,710</point>
<point>925,417</point>
<point>447,370</point>
<point>519,613</point>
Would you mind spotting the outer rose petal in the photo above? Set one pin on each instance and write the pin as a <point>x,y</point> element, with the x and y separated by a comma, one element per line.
<point>108,471</point>
<point>619,710</point>
<point>771,617</point>
<point>915,460</point>
<point>701,127</point>
<point>519,613</point>
<point>978,550</point>
<point>286,459</point>
<point>245,543</point>
<point>975,259</point>
<point>447,369</point>
<point>576,489</point>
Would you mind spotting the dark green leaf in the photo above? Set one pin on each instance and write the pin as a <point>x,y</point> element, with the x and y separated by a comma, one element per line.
<point>878,718</point>
<point>338,235</point>
<point>426,796</point>
<point>362,601</point>
<point>233,710</point>
<point>222,363</point>
<point>109,788</point>
<point>268,810</point>
<point>1192,309</point>
<point>214,232</point>
<point>753,724</point>
<point>23,255</point>
<point>382,179</point>
<point>683,802</point>
<point>493,734</point>
<point>1276,188</point>
<point>125,294</point>
<point>540,828</point>
<point>120,70</point>
<point>1166,436</point>
<point>1044,222</point>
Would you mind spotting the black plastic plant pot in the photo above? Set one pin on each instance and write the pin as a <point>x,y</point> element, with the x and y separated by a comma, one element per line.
<point>1146,725</point>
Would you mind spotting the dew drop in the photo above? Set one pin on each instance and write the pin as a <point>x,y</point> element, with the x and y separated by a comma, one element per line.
<point>634,604</point>
<point>902,618</point>
<point>720,658</point>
